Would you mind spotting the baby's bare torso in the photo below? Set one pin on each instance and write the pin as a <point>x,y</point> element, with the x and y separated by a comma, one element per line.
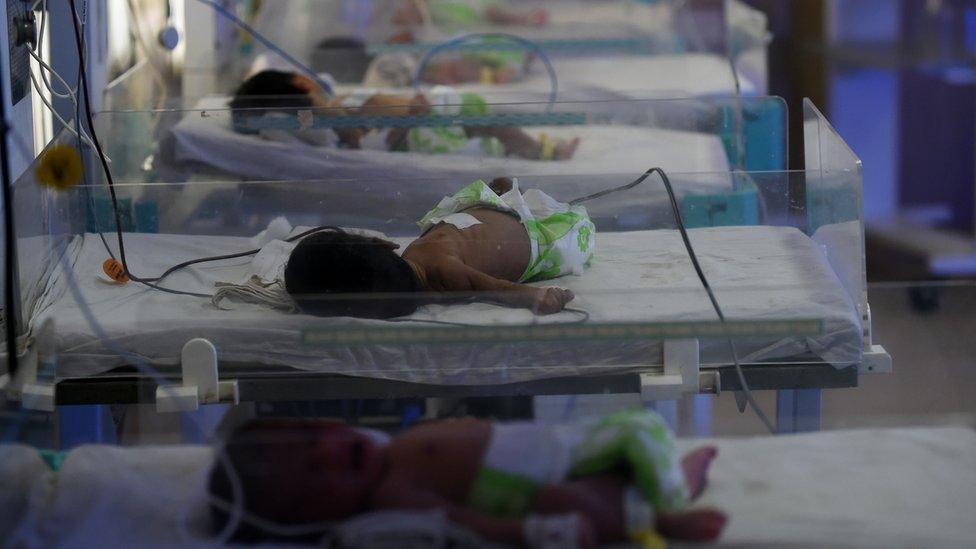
<point>498,246</point>
<point>442,456</point>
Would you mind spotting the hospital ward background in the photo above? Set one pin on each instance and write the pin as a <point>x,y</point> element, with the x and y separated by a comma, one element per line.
<point>488,273</point>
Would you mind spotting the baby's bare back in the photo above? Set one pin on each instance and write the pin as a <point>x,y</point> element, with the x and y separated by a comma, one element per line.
<point>485,261</point>
<point>498,246</point>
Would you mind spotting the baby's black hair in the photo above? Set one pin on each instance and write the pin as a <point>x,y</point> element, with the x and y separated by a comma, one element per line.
<point>270,90</point>
<point>334,273</point>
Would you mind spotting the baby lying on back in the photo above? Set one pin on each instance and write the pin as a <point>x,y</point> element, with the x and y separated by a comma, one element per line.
<point>271,90</point>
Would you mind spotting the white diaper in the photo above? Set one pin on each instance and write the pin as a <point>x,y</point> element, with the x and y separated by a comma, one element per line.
<point>460,220</point>
<point>538,452</point>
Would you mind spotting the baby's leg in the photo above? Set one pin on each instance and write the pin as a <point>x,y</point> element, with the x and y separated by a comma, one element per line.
<point>600,501</point>
<point>597,499</point>
<point>695,525</point>
<point>518,143</point>
<point>503,16</point>
<point>515,140</point>
<point>695,466</point>
<point>699,524</point>
<point>564,150</point>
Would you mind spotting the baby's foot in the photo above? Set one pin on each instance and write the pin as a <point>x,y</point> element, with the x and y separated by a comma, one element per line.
<point>695,466</point>
<point>537,18</point>
<point>565,150</point>
<point>697,525</point>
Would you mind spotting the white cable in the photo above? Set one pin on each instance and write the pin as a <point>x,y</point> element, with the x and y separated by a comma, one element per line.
<point>83,138</point>
<point>40,40</point>
<point>68,94</point>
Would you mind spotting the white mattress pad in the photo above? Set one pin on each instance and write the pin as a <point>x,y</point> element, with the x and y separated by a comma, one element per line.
<point>759,273</point>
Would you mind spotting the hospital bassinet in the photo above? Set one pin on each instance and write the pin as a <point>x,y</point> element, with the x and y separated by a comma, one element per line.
<point>788,271</point>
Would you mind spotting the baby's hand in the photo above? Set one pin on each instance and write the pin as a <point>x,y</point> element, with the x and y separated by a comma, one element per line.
<point>551,300</point>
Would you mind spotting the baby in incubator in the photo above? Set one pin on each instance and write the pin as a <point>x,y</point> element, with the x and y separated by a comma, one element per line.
<point>604,480</point>
<point>482,243</point>
<point>277,91</point>
<point>467,13</point>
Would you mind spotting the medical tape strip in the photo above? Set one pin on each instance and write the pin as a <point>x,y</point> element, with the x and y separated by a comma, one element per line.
<point>253,124</point>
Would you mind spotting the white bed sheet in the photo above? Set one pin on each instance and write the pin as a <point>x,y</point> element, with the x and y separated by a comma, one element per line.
<point>759,273</point>
<point>866,488</point>
<point>669,76</point>
<point>206,139</point>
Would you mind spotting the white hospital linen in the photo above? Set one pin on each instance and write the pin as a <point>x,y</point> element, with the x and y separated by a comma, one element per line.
<point>616,149</point>
<point>759,273</point>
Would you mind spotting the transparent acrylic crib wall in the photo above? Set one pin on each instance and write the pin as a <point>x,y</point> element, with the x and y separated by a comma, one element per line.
<point>619,139</point>
<point>725,28</point>
<point>709,135</point>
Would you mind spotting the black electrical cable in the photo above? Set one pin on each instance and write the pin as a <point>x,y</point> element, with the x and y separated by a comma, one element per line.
<point>9,242</point>
<point>679,220</point>
<point>83,71</point>
<point>186,264</point>
<point>90,199</point>
<point>105,167</point>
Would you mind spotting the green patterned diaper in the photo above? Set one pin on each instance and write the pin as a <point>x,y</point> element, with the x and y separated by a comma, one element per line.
<point>453,139</point>
<point>642,441</point>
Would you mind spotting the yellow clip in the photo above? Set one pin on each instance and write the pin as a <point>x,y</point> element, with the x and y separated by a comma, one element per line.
<point>548,147</point>
<point>487,75</point>
<point>60,167</point>
<point>649,539</point>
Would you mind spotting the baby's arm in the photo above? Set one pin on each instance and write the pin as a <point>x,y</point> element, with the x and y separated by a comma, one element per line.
<point>402,494</point>
<point>451,275</point>
<point>397,493</point>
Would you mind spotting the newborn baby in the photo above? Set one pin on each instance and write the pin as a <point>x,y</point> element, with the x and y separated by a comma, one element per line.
<point>451,13</point>
<point>483,243</point>
<point>596,482</point>
<point>272,90</point>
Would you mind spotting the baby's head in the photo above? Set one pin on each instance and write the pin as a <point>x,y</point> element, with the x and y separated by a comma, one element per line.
<point>334,273</point>
<point>296,472</point>
<point>278,90</point>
